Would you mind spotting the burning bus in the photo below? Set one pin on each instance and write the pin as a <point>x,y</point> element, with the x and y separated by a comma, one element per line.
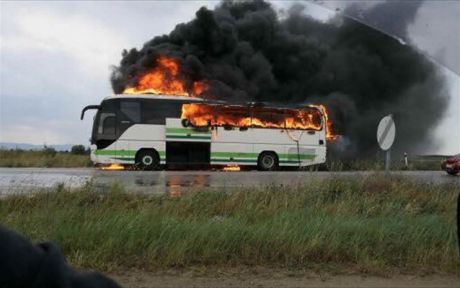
<point>153,131</point>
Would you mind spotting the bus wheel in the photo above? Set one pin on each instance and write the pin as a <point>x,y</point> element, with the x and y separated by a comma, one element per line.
<point>268,161</point>
<point>147,160</point>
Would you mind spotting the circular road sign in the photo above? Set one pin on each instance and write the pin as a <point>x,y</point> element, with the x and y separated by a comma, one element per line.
<point>386,132</point>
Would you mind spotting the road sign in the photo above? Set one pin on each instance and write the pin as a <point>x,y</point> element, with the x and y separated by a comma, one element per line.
<point>386,132</point>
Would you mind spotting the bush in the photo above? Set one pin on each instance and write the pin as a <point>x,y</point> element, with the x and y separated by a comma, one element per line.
<point>50,151</point>
<point>78,150</point>
<point>43,158</point>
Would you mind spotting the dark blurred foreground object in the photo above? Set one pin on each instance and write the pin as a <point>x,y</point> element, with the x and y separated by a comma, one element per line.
<point>458,221</point>
<point>452,165</point>
<point>23,264</point>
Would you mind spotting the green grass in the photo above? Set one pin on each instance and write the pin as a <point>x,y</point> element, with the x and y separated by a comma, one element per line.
<point>369,224</point>
<point>415,164</point>
<point>22,158</point>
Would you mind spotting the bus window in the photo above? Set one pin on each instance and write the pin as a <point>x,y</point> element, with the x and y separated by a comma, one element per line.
<point>266,117</point>
<point>131,110</point>
<point>303,119</point>
<point>107,124</point>
<point>235,116</point>
<point>156,112</point>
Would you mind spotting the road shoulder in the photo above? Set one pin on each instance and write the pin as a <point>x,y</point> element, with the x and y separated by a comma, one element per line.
<point>282,279</point>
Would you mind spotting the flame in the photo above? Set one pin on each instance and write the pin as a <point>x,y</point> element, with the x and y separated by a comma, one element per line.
<point>114,166</point>
<point>237,116</point>
<point>329,133</point>
<point>232,168</point>
<point>165,79</point>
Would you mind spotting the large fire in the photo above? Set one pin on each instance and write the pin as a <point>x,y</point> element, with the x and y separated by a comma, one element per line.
<point>165,79</point>
<point>308,118</point>
<point>329,132</point>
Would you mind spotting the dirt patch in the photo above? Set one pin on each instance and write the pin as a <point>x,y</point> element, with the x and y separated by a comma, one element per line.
<point>272,279</point>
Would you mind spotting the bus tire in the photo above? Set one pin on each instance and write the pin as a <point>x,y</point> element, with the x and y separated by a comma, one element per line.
<point>147,160</point>
<point>268,161</point>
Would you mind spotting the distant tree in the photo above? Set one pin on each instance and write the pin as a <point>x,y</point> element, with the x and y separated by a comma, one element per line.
<point>78,150</point>
<point>49,150</point>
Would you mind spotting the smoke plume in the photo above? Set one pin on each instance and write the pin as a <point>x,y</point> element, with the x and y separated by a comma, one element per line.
<point>245,51</point>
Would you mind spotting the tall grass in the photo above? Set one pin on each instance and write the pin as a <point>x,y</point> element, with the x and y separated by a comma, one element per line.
<point>414,164</point>
<point>369,224</point>
<point>22,158</point>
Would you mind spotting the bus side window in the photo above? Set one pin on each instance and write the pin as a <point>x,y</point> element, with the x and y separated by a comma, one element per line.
<point>107,124</point>
<point>156,112</point>
<point>131,110</point>
<point>267,116</point>
<point>312,116</point>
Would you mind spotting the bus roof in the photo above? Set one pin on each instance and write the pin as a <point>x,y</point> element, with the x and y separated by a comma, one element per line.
<point>268,105</point>
<point>273,105</point>
<point>153,96</point>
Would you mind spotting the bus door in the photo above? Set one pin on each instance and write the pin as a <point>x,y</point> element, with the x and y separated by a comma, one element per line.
<point>128,115</point>
<point>187,145</point>
<point>306,140</point>
<point>304,146</point>
<point>106,137</point>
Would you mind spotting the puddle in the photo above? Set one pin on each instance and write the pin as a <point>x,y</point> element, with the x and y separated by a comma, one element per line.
<point>19,183</point>
<point>173,183</point>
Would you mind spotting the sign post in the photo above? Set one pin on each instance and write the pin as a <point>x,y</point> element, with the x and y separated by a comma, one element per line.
<point>386,133</point>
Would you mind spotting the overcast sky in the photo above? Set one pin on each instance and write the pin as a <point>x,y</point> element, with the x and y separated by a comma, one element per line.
<point>56,58</point>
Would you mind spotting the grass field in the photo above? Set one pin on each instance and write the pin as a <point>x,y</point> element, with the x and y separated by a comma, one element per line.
<point>370,225</point>
<point>415,163</point>
<point>42,158</point>
<point>50,158</point>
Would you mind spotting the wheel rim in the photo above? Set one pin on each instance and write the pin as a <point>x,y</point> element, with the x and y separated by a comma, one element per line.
<point>147,160</point>
<point>268,161</point>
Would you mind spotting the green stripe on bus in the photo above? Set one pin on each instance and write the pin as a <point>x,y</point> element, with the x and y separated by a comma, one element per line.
<point>188,137</point>
<point>235,160</point>
<point>234,154</point>
<point>214,160</point>
<point>124,159</point>
<point>284,157</point>
<point>132,159</point>
<point>121,153</point>
<point>252,161</point>
<point>294,157</point>
<point>115,152</point>
<point>186,131</point>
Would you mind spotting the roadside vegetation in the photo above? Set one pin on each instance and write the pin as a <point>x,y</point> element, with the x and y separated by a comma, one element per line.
<point>370,225</point>
<point>46,157</point>
<point>78,156</point>
<point>377,163</point>
<point>418,163</point>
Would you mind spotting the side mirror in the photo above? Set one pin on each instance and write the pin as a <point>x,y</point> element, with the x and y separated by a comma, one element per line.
<point>88,108</point>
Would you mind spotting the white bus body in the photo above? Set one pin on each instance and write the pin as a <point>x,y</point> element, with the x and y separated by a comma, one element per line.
<point>169,142</point>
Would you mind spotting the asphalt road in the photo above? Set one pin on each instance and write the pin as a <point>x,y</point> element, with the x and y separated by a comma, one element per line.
<point>23,180</point>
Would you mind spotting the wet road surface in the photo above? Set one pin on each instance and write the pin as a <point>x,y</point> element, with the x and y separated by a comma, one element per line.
<point>23,180</point>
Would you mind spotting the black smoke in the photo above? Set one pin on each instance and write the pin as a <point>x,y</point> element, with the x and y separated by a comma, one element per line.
<point>382,16</point>
<point>246,51</point>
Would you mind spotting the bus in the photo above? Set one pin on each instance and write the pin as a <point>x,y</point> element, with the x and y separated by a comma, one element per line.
<point>150,132</point>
